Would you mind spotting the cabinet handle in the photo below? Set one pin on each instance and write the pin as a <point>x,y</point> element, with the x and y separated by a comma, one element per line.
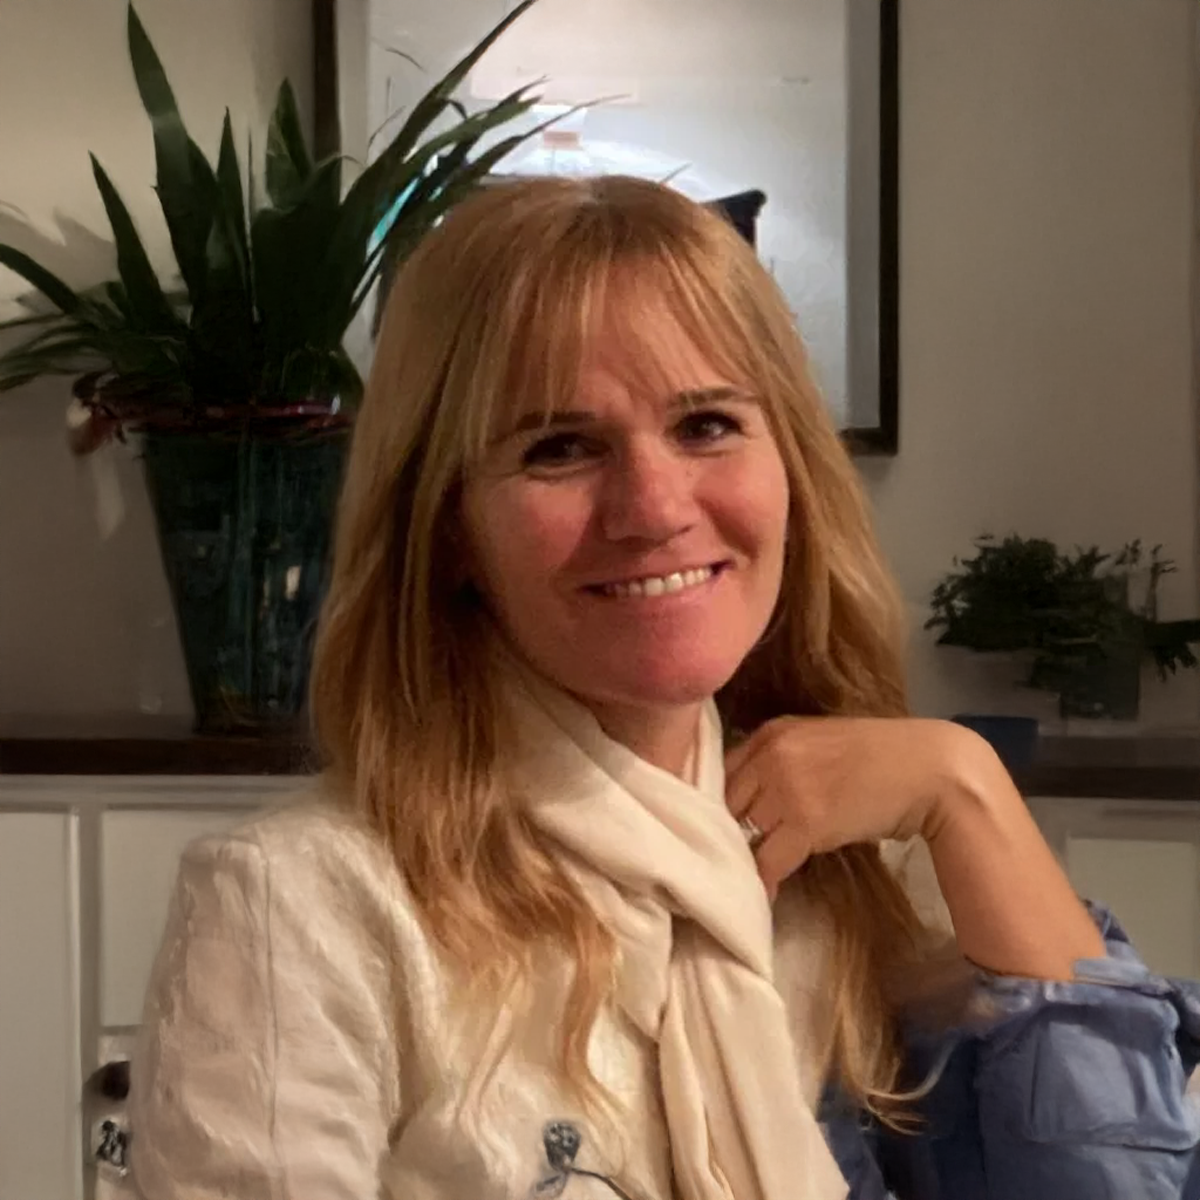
<point>111,1080</point>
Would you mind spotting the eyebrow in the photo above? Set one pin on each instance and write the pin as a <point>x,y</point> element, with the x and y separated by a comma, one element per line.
<point>687,400</point>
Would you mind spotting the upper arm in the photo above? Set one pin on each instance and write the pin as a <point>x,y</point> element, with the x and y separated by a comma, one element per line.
<point>262,1067</point>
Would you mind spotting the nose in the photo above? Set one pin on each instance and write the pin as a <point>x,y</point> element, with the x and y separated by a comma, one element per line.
<point>648,495</point>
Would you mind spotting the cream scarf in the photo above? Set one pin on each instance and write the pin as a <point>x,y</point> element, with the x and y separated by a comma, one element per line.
<point>669,868</point>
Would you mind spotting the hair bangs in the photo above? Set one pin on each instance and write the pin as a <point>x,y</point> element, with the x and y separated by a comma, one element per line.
<point>530,361</point>
<point>598,284</point>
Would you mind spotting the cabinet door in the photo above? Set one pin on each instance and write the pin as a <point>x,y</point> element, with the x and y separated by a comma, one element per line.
<point>139,860</point>
<point>40,1133</point>
<point>1142,860</point>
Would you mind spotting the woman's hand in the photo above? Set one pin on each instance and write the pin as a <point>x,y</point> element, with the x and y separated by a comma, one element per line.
<point>815,784</point>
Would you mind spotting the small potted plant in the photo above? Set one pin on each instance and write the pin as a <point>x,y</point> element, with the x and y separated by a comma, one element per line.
<point>235,381</point>
<point>1071,617</point>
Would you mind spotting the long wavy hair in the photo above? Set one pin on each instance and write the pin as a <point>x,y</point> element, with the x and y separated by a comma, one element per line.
<point>494,310</point>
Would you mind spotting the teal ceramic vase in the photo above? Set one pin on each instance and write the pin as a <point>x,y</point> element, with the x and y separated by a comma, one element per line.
<point>244,526</point>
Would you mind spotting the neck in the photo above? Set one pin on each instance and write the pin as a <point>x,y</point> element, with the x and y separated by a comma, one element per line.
<point>666,738</point>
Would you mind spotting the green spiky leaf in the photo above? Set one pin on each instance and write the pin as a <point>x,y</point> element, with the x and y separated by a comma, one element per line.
<point>145,293</point>
<point>232,197</point>
<point>58,293</point>
<point>27,322</point>
<point>270,282</point>
<point>389,179</point>
<point>185,184</point>
<point>289,164</point>
<point>287,247</point>
<point>431,106</point>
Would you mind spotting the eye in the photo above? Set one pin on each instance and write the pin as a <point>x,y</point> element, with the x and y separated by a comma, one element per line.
<point>557,450</point>
<point>707,426</point>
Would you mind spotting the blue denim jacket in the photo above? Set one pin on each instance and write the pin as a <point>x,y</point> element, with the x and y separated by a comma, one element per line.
<point>1067,1091</point>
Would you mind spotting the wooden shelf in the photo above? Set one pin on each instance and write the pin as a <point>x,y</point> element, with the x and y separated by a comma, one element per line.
<point>1103,767</point>
<point>145,746</point>
<point>1117,768</point>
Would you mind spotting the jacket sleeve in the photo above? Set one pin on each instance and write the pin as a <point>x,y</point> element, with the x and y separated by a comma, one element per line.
<point>261,1070</point>
<point>1060,1091</point>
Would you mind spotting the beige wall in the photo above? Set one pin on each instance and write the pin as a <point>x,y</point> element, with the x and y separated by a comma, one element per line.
<point>1047,217</point>
<point>66,89</point>
<point>1046,343</point>
<point>85,621</point>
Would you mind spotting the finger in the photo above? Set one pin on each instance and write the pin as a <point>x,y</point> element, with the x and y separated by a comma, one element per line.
<point>742,792</point>
<point>764,816</point>
<point>781,854</point>
<point>738,756</point>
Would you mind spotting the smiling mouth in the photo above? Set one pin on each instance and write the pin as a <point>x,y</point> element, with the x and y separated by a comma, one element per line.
<point>650,586</point>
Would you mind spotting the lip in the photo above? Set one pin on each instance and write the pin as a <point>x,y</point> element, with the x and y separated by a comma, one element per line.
<point>717,567</point>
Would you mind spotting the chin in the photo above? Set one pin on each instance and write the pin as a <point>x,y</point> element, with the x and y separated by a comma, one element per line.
<point>674,686</point>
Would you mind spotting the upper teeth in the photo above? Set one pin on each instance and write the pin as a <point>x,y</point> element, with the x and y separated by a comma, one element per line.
<point>660,585</point>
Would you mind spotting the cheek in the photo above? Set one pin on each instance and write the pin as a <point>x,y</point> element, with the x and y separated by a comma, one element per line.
<point>756,503</point>
<point>779,504</point>
<point>521,535</point>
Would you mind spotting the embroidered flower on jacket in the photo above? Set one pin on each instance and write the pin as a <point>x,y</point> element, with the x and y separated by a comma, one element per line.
<point>562,1142</point>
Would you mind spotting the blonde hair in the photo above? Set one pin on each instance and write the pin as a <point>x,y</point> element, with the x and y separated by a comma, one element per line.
<point>497,304</point>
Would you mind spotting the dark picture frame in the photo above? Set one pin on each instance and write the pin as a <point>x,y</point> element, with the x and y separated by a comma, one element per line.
<point>881,437</point>
<point>327,137</point>
<point>873,316</point>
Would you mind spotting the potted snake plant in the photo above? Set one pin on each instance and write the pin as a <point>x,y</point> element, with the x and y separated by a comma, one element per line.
<point>235,383</point>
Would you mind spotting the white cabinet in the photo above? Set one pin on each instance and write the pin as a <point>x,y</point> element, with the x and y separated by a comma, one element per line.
<point>1141,858</point>
<point>86,870</point>
<point>39,1136</point>
<point>139,850</point>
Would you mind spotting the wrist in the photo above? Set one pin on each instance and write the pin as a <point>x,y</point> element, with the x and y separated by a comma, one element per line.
<point>1014,910</point>
<point>971,791</point>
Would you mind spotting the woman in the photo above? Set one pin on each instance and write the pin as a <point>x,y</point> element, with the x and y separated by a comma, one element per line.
<point>548,942</point>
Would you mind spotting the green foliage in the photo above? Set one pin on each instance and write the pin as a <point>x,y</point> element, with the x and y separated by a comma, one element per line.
<point>269,286</point>
<point>1064,611</point>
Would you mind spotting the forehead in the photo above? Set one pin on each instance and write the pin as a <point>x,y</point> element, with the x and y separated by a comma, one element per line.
<point>635,350</point>
<point>626,334</point>
<point>645,349</point>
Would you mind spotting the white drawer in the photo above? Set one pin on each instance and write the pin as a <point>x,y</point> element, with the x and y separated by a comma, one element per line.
<point>139,859</point>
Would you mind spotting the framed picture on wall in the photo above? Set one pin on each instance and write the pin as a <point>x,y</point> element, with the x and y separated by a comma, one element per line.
<point>798,102</point>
